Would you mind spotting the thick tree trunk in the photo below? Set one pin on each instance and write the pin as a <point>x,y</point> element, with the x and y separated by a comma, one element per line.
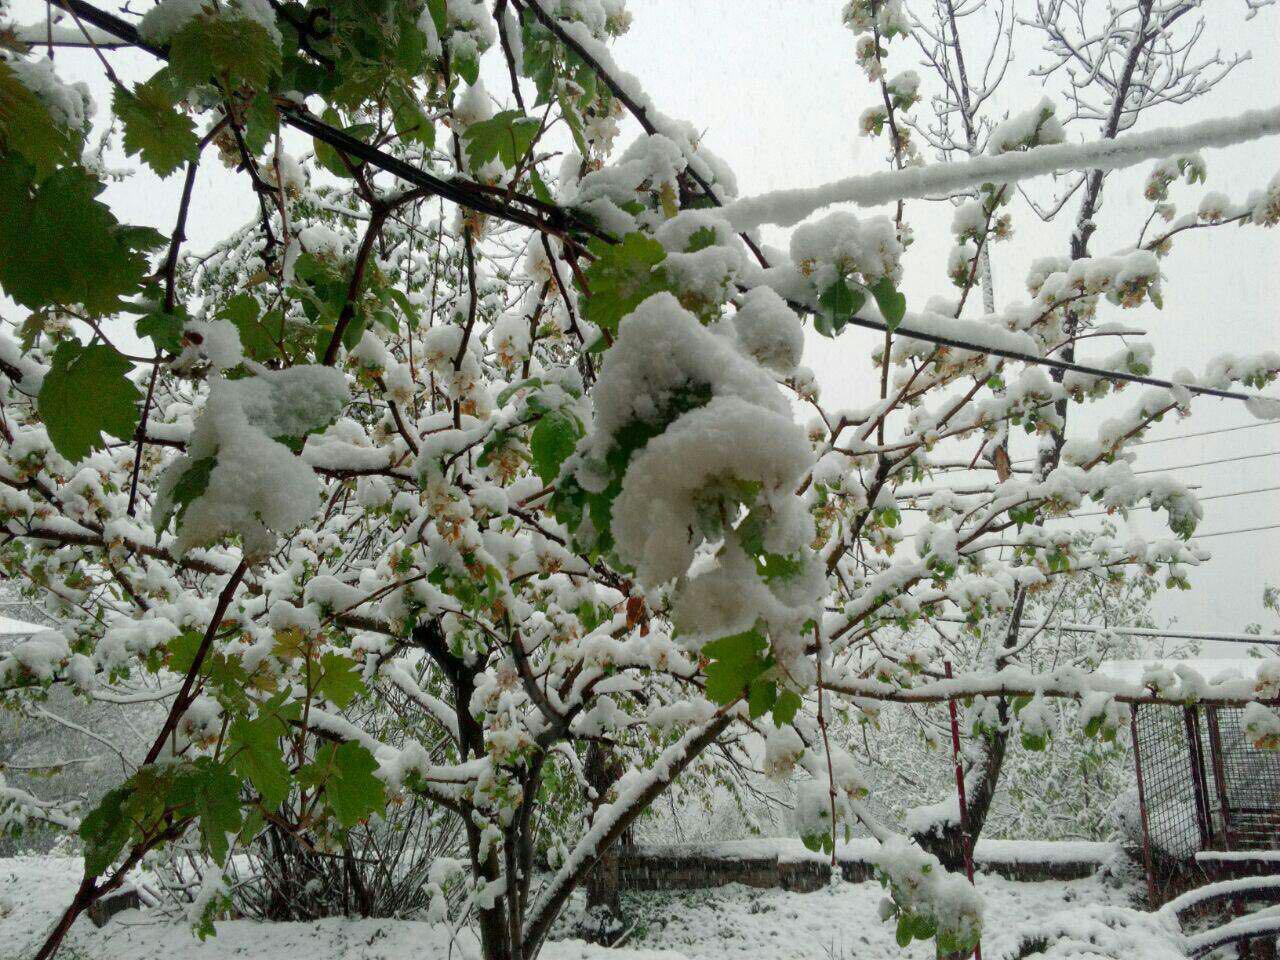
<point>603,921</point>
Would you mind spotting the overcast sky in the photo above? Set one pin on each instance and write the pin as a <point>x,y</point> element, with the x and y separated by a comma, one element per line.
<point>775,88</point>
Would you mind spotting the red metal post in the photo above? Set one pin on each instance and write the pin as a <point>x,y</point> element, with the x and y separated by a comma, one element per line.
<point>966,839</point>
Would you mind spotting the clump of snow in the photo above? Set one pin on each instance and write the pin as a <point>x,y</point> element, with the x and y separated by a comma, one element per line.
<point>212,342</point>
<point>658,516</point>
<point>38,657</point>
<point>69,104</point>
<point>1031,128</point>
<point>256,488</point>
<point>769,330</point>
<point>168,17</point>
<point>842,245</point>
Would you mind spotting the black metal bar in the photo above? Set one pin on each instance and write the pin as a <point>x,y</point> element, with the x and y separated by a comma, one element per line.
<point>1198,785</point>
<point>1219,773</point>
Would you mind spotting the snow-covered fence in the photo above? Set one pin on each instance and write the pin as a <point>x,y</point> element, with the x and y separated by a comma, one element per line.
<point>789,865</point>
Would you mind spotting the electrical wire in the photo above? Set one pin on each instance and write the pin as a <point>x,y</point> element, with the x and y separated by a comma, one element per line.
<point>1209,463</point>
<point>1227,533</point>
<point>1206,433</point>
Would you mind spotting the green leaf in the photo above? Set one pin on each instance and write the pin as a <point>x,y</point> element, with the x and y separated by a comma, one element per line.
<point>540,188</point>
<point>786,707</point>
<point>209,792</point>
<point>165,137</point>
<point>510,391</point>
<point>339,680</point>
<point>233,50</point>
<point>27,127</point>
<point>506,137</point>
<point>552,442</point>
<point>622,277</point>
<point>164,329</point>
<point>257,756</point>
<point>904,933</point>
<point>327,156</point>
<point>468,68</point>
<point>189,488</point>
<point>86,393</point>
<point>761,696</point>
<point>736,661</point>
<point>837,305</point>
<point>256,331</point>
<point>105,831</point>
<point>1034,742</point>
<point>892,304</point>
<point>350,788</point>
<point>700,239</point>
<point>59,245</point>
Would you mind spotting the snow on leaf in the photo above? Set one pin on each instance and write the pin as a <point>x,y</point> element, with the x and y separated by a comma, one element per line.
<point>28,128</point>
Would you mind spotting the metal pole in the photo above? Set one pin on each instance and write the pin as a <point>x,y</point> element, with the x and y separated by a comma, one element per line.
<point>1142,810</point>
<point>966,840</point>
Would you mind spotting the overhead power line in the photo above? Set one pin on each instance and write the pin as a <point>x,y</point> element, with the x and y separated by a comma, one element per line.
<point>1209,463</point>
<point>1151,632</point>
<point>556,219</point>
<point>1230,533</point>
<point>1206,433</point>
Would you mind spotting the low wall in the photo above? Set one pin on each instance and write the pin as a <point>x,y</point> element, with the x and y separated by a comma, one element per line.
<point>789,865</point>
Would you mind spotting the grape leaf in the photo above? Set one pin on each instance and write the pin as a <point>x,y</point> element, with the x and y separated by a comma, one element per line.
<point>258,758</point>
<point>87,393</point>
<point>26,127</point>
<point>234,50</point>
<point>350,788</point>
<point>506,137</point>
<point>164,329</point>
<point>154,128</point>
<point>207,790</point>
<point>105,831</point>
<point>339,679</point>
<point>59,245</point>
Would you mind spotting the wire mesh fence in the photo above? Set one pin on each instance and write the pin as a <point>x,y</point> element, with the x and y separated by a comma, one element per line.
<point>1174,813</point>
<point>1248,781</point>
<point>1205,785</point>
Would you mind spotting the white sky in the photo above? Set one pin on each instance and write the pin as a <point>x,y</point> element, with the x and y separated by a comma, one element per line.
<point>776,90</point>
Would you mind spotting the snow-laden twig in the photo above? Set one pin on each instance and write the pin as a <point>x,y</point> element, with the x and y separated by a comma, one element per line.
<point>788,207</point>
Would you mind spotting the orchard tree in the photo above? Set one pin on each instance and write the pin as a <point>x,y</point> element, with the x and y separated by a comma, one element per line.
<point>479,411</point>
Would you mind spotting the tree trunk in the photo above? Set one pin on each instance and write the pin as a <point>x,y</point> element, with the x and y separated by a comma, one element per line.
<point>603,921</point>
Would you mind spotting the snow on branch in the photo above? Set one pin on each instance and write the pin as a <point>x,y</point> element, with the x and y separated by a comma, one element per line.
<point>788,207</point>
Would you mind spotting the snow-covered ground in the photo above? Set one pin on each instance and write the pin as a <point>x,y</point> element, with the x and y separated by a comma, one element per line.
<point>840,921</point>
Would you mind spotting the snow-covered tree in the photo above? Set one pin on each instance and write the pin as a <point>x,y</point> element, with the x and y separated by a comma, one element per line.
<point>479,411</point>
